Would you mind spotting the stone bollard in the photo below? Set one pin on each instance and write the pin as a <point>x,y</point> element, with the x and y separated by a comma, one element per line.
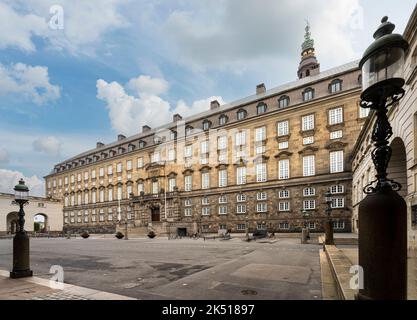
<point>304,235</point>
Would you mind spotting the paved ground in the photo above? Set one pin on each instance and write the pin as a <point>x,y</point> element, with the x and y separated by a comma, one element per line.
<point>181,269</point>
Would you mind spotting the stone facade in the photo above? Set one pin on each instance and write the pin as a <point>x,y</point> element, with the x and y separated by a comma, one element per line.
<point>297,144</point>
<point>50,209</point>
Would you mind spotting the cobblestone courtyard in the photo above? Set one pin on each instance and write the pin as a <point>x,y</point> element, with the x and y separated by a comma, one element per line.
<point>180,269</point>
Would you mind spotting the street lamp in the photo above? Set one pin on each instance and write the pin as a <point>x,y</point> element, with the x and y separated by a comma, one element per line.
<point>304,230</point>
<point>21,258</point>
<point>328,227</point>
<point>383,213</point>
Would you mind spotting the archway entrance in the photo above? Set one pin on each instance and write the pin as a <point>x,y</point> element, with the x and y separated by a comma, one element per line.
<point>156,216</point>
<point>40,223</point>
<point>12,222</point>
<point>397,168</point>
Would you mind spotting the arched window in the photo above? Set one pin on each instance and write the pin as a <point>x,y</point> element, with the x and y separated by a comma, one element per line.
<point>283,102</point>
<point>241,114</point>
<point>308,94</point>
<point>335,86</point>
<point>223,119</point>
<point>261,108</point>
<point>206,125</point>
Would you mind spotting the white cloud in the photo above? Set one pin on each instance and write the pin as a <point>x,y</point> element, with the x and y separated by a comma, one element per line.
<point>49,145</point>
<point>4,156</point>
<point>129,113</point>
<point>32,82</point>
<point>8,179</point>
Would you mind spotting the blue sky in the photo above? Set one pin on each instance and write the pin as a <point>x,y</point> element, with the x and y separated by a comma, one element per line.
<point>119,64</point>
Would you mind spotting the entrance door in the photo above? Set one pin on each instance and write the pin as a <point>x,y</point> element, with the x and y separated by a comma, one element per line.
<point>182,232</point>
<point>155,214</point>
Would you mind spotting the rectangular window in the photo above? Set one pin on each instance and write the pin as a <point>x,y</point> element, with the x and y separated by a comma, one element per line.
<point>284,206</point>
<point>155,187</point>
<point>204,147</point>
<point>283,128</point>
<point>335,115</point>
<point>171,154</point>
<point>261,172</point>
<point>140,163</point>
<point>205,211</point>
<point>241,197</point>
<point>311,225</point>
<point>284,226</point>
<point>241,227</point>
<point>119,193</point>
<point>307,122</point>
<point>187,202</point>
<point>261,226</point>
<point>241,208</point>
<point>129,190</point>
<point>363,112</point>
<point>339,188</point>
<point>336,161</point>
<point>222,209</point>
<point>119,167</point>
<point>240,138</point>
<point>155,157</point>
<point>93,196</point>
<point>188,151</point>
<point>241,175</point>
<point>283,145</point>
<point>101,172</point>
<point>309,166</point>
<point>188,183</point>
<point>86,198</point>
<point>261,207</point>
<point>308,192</point>
<point>338,225</point>
<point>336,134</point>
<point>222,143</point>
<point>66,180</point>
<point>140,188</point>
<point>260,134</point>
<point>284,194</point>
<point>284,169</point>
<point>109,170</point>
<point>172,182</point>
<point>110,195</point>
<point>129,165</point>
<point>223,178</point>
<point>260,196</point>
<point>205,201</point>
<point>222,199</point>
<point>205,180</point>
<point>72,179</point>
<point>309,204</point>
<point>308,140</point>
<point>188,212</point>
<point>338,203</point>
<point>78,179</point>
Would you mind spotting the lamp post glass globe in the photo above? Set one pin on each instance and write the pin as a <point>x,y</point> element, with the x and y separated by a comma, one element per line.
<point>21,191</point>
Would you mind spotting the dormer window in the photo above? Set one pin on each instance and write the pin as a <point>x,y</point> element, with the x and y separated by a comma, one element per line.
<point>261,108</point>
<point>283,102</point>
<point>223,120</point>
<point>206,125</point>
<point>335,86</point>
<point>241,114</point>
<point>172,135</point>
<point>308,94</point>
<point>188,130</point>
<point>121,150</point>
<point>157,139</point>
<point>142,144</point>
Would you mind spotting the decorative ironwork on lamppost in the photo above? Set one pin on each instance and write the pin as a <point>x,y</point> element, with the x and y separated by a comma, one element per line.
<point>21,257</point>
<point>329,223</point>
<point>383,213</point>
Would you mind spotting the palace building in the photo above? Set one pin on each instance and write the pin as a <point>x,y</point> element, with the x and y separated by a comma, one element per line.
<point>262,162</point>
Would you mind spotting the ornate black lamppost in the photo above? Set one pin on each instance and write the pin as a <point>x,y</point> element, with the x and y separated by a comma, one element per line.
<point>305,233</point>
<point>383,213</point>
<point>329,223</point>
<point>21,260</point>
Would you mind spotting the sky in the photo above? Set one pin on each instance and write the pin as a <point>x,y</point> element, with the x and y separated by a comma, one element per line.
<point>74,72</point>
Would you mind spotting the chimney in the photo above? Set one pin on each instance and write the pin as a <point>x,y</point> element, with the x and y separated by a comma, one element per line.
<point>100,144</point>
<point>176,117</point>
<point>214,105</point>
<point>120,137</point>
<point>146,128</point>
<point>260,88</point>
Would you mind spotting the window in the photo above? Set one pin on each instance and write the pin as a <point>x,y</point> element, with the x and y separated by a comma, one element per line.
<point>309,204</point>
<point>241,227</point>
<point>283,145</point>
<point>308,140</point>
<point>172,135</point>
<point>109,170</point>
<point>206,125</point>
<point>155,187</point>
<point>363,112</point>
<point>284,169</point>
<point>261,226</point>
<point>308,192</point>
<point>205,180</point>
<point>101,195</point>
<point>119,167</point>
<point>283,102</point>
<point>337,189</point>
<point>240,138</point>
<point>241,197</point>
<point>72,179</point>
<point>188,212</point>
<point>101,172</point>
<point>223,120</point>
<point>140,188</point>
<point>241,208</point>
<point>204,147</point>
<point>110,215</point>
<point>261,108</point>
<point>172,182</point>
<point>205,211</point>
<point>260,196</point>
<point>260,149</point>
<point>142,144</point>
<point>309,167</point>
<point>284,226</point>
<point>79,196</point>
<point>308,94</point>
<point>205,201</point>
<point>261,172</point>
<point>140,163</point>
<point>241,114</point>
<point>307,122</point>
<point>311,225</point>
<point>338,225</point>
<point>222,178</point>
<point>66,180</point>
<point>222,209</point>
<point>155,157</point>
<point>93,196</point>
<point>222,199</point>
<point>338,203</point>
<point>129,165</point>
<point>157,139</point>
<point>283,194</point>
<point>283,128</point>
<point>336,134</point>
<point>188,183</point>
<point>335,116</point>
<point>241,175</point>
<point>119,193</point>
<point>336,161</point>
<point>78,179</point>
<point>222,143</point>
<point>335,86</point>
<point>260,134</point>
<point>110,194</point>
<point>187,202</point>
<point>284,206</point>
<point>188,130</point>
<point>188,151</point>
<point>85,197</point>
<point>261,207</point>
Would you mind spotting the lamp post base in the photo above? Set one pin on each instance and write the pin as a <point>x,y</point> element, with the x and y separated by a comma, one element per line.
<point>21,274</point>
<point>21,258</point>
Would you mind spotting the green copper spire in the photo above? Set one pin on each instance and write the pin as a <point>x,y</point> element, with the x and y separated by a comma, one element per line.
<point>308,42</point>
